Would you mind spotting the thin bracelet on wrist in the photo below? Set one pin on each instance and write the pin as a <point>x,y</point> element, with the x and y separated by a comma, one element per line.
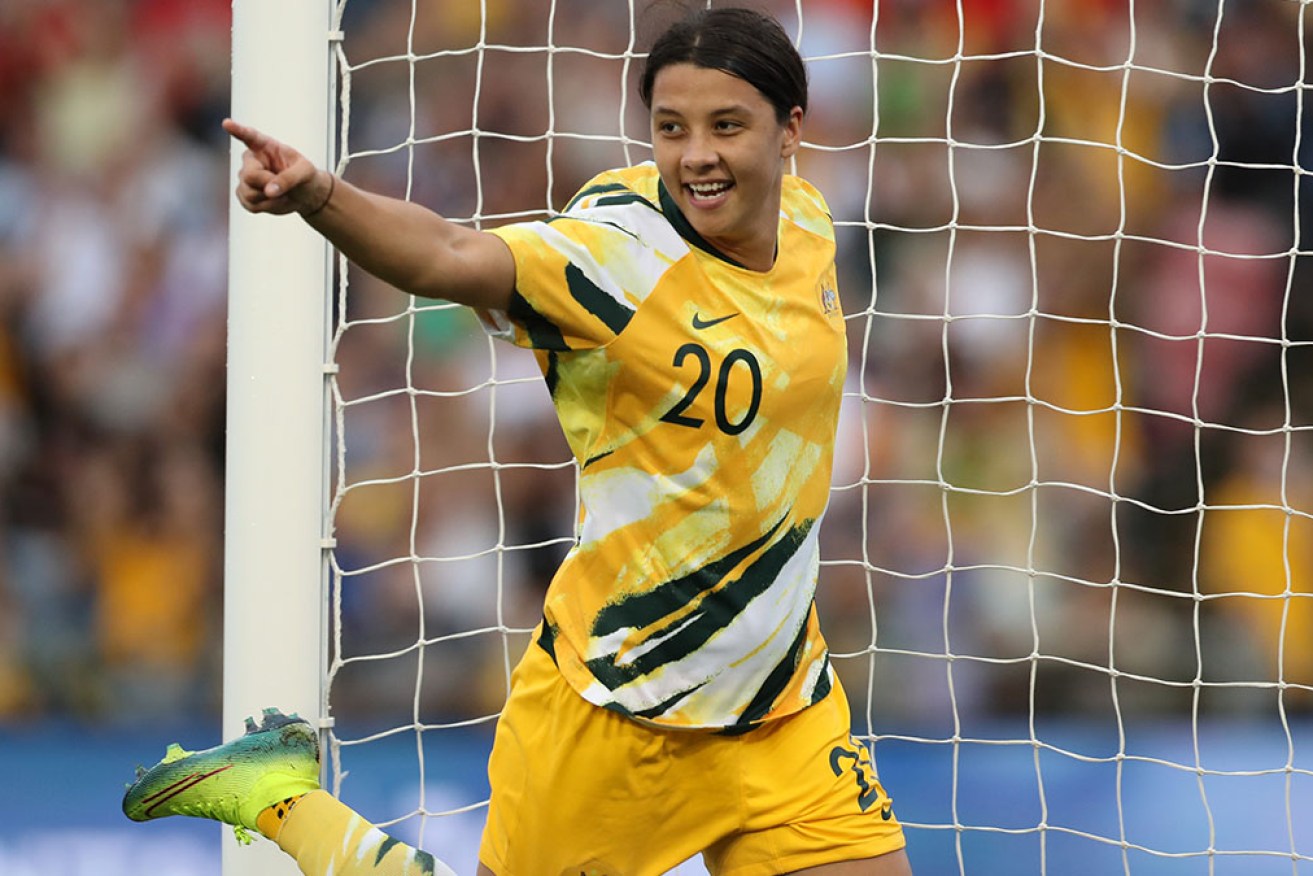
<point>332,185</point>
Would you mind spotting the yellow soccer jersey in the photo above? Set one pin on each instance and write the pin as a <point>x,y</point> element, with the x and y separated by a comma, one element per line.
<point>700,399</point>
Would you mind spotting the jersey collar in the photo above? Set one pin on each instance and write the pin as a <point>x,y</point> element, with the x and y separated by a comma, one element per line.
<point>685,228</point>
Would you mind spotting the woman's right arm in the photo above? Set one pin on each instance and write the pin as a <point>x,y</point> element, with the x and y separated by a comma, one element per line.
<point>401,243</point>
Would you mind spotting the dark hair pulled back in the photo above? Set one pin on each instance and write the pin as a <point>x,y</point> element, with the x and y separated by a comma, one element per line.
<point>742,42</point>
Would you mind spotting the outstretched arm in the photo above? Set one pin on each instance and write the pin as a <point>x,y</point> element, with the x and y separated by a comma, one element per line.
<point>397,241</point>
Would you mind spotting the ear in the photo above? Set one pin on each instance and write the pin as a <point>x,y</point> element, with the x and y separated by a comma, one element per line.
<point>791,133</point>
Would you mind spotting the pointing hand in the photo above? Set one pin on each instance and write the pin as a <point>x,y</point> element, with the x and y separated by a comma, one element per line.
<point>274,177</point>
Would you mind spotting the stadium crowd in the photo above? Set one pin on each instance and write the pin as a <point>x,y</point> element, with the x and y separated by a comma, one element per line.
<point>1089,351</point>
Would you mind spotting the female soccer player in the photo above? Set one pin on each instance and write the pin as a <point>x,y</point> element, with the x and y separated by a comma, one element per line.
<point>678,697</point>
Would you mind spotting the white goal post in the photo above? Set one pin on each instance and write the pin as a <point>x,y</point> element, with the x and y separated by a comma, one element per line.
<point>1068,646</point>
<point>277,412</point>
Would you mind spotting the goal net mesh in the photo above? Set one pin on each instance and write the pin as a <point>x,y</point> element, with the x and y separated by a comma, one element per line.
<point>1067,558</point>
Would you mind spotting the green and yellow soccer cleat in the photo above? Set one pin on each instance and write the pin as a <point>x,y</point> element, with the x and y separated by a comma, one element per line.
<point>233,782</point>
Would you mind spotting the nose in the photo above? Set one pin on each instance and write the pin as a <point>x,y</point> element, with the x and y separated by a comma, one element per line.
<point>699,153</point>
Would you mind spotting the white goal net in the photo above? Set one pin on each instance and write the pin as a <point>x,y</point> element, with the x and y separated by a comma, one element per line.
<point>1068,555</point>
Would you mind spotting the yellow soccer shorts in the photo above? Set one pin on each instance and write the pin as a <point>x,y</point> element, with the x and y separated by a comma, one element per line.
<point>578,789</point>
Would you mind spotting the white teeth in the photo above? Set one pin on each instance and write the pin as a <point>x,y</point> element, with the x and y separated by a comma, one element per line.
<point>708,190</point>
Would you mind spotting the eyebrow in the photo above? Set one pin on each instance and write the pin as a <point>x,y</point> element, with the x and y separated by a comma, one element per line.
<point>732,109</point>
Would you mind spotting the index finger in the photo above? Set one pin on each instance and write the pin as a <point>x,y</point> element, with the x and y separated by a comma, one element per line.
<point>253,139</point>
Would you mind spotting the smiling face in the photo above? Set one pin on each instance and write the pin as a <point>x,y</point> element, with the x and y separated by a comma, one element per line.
<point>720,149</point>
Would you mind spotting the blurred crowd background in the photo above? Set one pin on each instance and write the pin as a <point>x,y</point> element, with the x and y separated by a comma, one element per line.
<point>1074,474</point>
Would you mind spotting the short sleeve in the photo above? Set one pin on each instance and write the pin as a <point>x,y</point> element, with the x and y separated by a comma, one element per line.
<point>580,276</point>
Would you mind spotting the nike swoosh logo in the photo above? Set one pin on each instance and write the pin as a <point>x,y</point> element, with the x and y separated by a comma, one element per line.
<point>699,323</point>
